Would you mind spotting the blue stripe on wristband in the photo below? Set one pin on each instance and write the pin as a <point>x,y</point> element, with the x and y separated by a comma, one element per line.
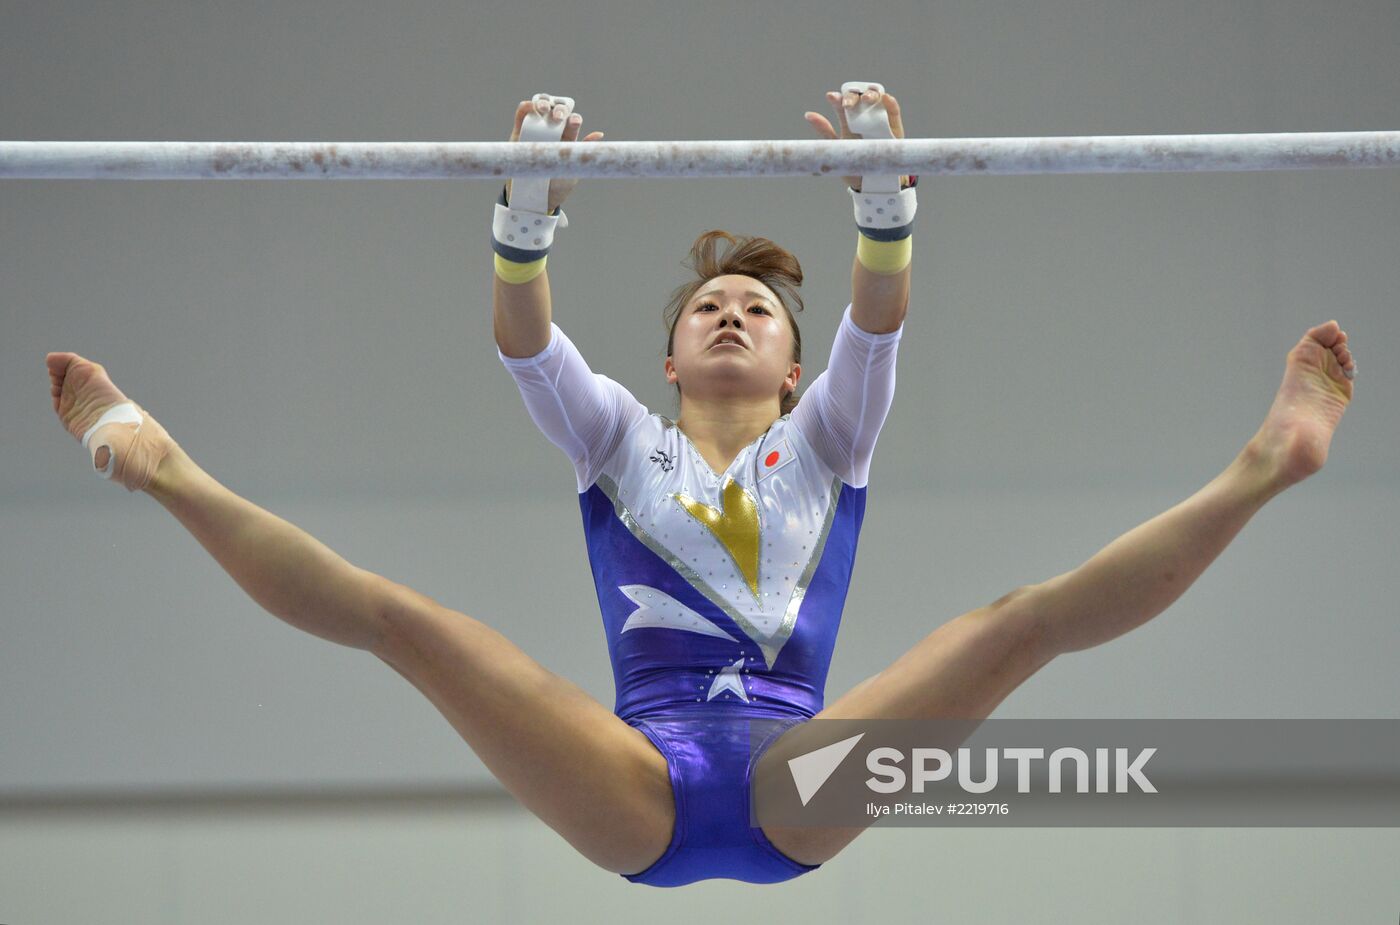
<point>887,234</point>
<point>517,254</point>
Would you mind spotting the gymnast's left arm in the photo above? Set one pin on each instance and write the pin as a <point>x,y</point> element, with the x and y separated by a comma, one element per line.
<point>879,300</point>
<point>881,272</point>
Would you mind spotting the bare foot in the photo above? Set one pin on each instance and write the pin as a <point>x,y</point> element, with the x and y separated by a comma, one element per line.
<point>82,392</point>
<point>1316,389</point>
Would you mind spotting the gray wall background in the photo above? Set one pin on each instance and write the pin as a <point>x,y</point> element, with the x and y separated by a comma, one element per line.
<point>1081,353</point>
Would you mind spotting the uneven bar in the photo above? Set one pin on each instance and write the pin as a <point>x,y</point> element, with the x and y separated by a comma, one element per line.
<point>407,160</point>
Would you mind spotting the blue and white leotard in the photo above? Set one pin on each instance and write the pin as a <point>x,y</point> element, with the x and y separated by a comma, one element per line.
<point>721,593</point>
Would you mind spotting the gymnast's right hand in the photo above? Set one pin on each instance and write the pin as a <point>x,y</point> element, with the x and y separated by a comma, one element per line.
<point>559,190</point>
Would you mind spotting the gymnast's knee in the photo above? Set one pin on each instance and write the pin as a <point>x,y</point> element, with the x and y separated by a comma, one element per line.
<point>415,625</point>
<point>1024,625</point>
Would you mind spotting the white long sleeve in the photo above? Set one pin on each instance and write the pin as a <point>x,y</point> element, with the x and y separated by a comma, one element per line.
<point>583,413</point>
<point>842,411</point>
<point>586,414</point>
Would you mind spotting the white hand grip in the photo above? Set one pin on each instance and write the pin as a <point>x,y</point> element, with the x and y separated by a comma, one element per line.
<point>870,120</point>
<point>531,194</point>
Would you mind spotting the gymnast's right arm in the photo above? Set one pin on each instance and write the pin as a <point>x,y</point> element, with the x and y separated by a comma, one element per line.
<point>579,411</point>
<point>521,312</point>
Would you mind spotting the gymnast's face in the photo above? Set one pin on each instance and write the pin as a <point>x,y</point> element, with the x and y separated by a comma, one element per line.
<point>733,339</point>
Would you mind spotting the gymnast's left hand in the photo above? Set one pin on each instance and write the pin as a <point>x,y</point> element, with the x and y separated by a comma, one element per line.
<point>842,102</point>
<point>559,189</point>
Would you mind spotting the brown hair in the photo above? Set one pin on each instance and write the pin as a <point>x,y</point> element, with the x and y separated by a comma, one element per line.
<point>758,257</point>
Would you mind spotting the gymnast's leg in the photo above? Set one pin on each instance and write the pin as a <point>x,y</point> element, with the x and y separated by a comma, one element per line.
<point>969,665</point>
<point>595,780</point>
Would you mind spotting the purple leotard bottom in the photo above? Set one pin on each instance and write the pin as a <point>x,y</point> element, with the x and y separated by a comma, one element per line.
<point>709,754</point>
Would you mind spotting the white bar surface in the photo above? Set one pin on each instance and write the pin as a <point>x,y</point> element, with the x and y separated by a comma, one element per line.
<point>410,160</point>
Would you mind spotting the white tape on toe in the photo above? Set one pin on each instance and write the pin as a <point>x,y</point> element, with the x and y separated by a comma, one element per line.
<point>125,413</point>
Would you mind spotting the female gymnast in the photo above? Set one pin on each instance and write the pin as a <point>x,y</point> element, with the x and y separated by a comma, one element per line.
<point>721,545</point>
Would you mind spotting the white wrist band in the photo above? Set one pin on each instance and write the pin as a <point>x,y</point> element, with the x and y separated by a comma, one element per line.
<point>524,236</point>
<point>885,216</point>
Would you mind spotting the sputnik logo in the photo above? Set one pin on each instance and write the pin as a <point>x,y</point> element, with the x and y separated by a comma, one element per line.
<point>811,771</point>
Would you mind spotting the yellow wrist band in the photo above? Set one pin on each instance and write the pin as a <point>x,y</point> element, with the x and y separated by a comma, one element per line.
<point>884,257</point>
<point>512,272</point>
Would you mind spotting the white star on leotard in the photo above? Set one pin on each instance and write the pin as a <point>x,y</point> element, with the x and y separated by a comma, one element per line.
<point>728,680</point>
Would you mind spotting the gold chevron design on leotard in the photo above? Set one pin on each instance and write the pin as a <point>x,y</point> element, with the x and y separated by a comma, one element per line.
<point>736,526</point>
